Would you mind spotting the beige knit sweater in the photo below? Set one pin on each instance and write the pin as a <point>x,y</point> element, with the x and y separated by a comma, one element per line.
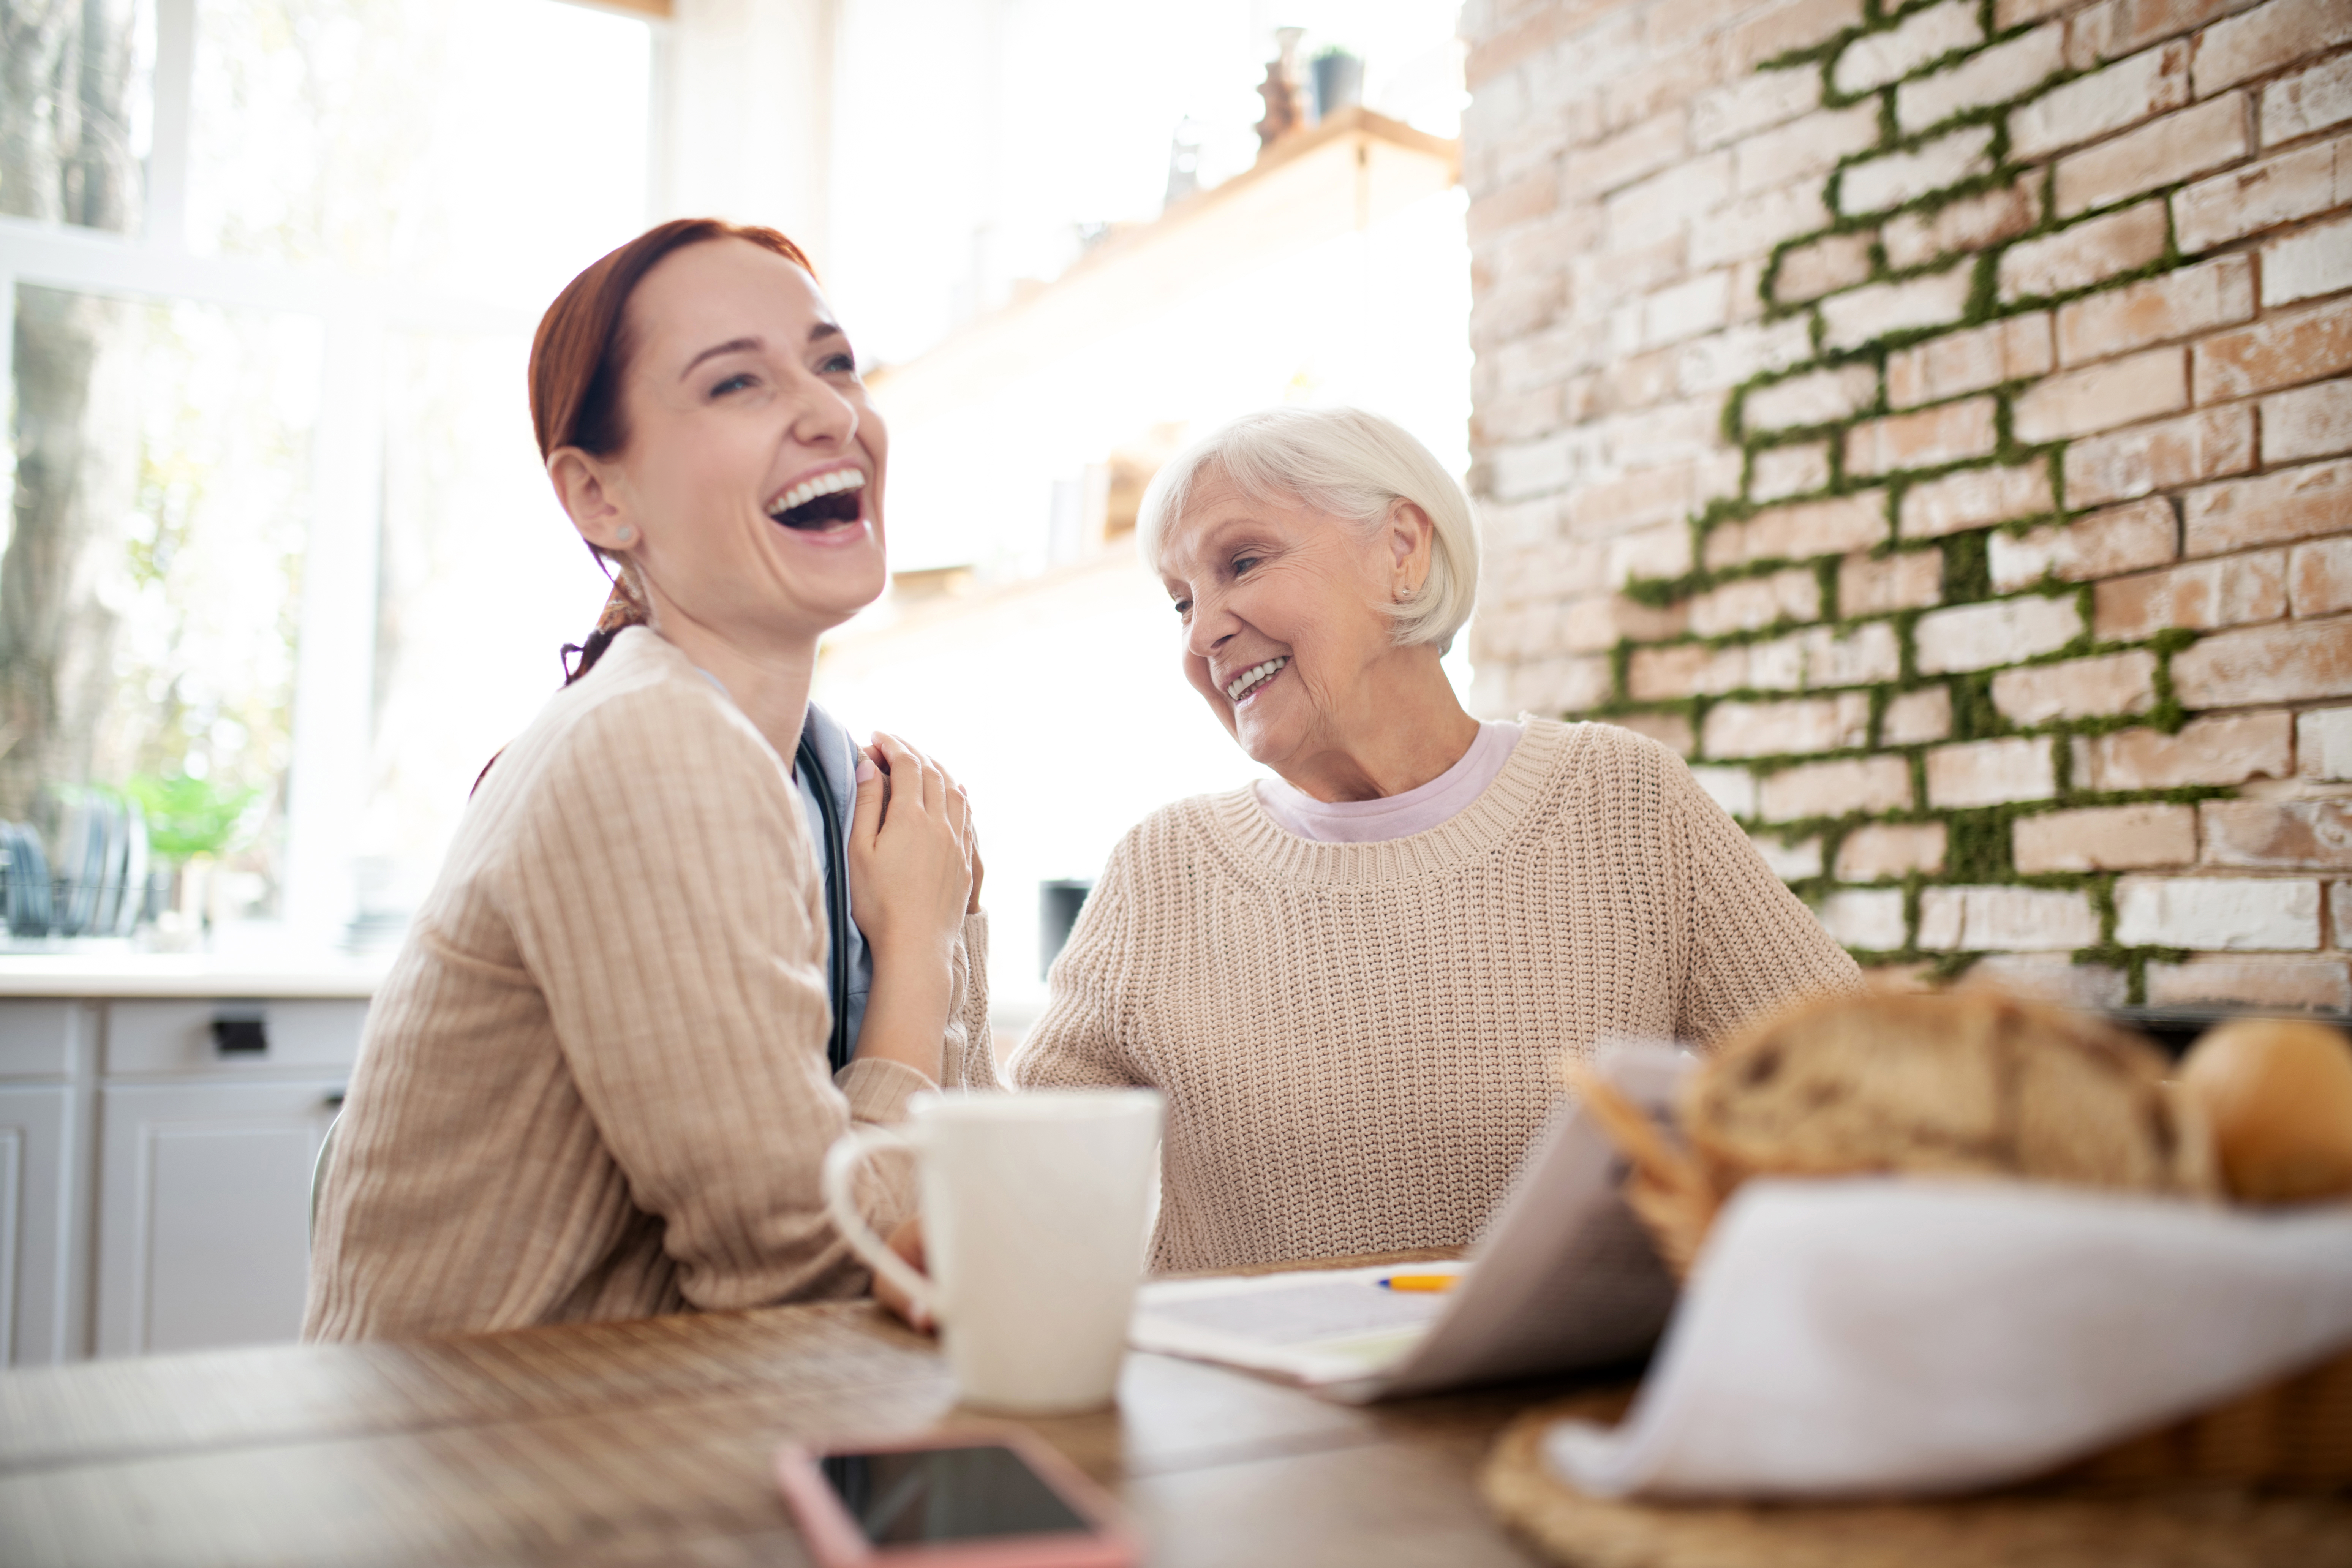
<point>1358,1041</point>
<point>594,1084</point>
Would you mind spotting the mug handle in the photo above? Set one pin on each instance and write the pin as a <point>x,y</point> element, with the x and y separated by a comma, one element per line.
<point>840,1161</point>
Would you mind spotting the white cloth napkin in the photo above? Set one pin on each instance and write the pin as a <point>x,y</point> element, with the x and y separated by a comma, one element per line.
<point>1877,1336</point>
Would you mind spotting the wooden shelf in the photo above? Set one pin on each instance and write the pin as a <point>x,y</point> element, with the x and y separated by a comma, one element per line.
<point>1341,176</point>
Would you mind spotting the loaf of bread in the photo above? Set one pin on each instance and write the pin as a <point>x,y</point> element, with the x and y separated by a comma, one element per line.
<point>2278,1094</point>
<point>1977,1084</point>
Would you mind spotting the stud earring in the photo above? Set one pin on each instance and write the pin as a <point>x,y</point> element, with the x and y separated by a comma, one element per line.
<point>627,535</point>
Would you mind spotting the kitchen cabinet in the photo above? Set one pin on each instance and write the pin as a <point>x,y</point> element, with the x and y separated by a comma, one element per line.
<point>204,1211</point>
<point>35,1221</point>
<point>159,1124</point>
<point>45,1045</point>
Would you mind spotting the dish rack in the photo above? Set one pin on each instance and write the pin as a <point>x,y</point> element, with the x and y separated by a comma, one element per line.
<point>99,885</point>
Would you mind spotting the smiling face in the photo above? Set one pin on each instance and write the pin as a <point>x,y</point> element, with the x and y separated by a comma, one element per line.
<point>749,491</point>
<point>1284,633</point>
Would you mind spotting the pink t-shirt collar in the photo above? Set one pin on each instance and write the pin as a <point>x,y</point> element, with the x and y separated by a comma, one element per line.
<point>1396,815</point>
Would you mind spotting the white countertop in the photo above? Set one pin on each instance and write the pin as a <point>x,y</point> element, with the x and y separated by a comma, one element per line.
<point>256,976</point>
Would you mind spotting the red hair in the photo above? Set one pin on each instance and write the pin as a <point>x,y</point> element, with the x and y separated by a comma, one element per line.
<point>579,359</point>
<point>581,352</point>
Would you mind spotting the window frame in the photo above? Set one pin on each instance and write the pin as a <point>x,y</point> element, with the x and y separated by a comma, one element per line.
<point>334,660</point>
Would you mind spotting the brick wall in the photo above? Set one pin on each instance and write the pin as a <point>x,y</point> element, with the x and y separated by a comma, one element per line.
<point>1935,423</point>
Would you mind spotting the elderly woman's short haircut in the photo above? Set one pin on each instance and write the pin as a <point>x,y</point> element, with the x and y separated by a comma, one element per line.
<point>1347,462</point>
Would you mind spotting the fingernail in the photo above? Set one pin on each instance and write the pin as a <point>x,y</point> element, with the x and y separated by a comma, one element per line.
<point>865,769</point>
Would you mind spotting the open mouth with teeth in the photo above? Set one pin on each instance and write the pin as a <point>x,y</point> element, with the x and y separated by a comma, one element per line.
<point>828,502</point>
<point>1251,681</point>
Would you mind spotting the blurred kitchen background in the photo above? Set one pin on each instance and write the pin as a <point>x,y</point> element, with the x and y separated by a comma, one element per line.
<point>281,573</point>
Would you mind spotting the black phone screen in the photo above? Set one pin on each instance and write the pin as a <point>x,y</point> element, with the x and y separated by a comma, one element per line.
<point>946,1494</point>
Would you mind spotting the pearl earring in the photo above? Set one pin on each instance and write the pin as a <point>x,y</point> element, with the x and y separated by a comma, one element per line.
<point>627,535</point>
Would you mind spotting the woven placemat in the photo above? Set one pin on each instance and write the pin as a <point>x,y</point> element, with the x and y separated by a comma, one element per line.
<point>2047,1527</point>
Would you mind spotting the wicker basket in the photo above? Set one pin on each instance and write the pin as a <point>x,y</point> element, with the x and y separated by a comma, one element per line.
<point>2081,1519</point>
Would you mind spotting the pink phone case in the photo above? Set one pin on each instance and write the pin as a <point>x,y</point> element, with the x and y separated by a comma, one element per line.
<point>836,1541</point>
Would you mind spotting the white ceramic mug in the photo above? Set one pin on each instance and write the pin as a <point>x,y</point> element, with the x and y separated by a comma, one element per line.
<point>1034,1209</point>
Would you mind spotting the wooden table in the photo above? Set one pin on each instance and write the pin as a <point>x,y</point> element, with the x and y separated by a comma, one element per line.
<point>649,1443</point>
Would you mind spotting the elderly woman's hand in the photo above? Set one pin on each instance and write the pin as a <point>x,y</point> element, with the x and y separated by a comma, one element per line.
<point>911,854</point>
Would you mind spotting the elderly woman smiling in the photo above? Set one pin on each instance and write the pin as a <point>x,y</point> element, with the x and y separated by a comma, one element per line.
<point>1354,985</point>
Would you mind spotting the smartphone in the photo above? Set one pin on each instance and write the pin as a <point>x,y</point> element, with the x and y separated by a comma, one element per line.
<point>951,1499</point>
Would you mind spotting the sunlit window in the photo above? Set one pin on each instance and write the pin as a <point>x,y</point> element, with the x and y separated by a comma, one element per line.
<point>280,571</point>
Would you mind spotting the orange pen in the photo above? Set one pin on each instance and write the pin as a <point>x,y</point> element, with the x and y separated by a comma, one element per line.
<point>1420,1281</point>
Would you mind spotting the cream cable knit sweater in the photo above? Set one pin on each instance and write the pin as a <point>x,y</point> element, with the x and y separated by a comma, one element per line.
<point>594,1083</point>
<point>1358,1041</point>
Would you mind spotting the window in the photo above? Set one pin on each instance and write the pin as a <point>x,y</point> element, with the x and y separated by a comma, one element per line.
<point>280,545</point>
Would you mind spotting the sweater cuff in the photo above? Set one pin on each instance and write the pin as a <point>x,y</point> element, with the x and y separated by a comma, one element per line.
<point>878,1090</point>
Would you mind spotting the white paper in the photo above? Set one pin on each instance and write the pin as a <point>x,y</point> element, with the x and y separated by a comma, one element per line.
<point>1565,1278</point>
<point>1881,1336</point>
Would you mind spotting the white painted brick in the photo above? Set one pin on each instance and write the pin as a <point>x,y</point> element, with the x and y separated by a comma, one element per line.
<point>1810,146</point>
<point>1972,498</point>
<point>2225,914</point>
<point>1871,785</point>
<point>1662,206</point>
<point>2262,195</point>
<point>2176,304</point>
<point>1818,398</point>
<point>2101,104</point>
<point>2322,744</point>
<point>1983,636</point>
<point>1753,225</point>
<point>2309,422</point>
<point>1767,98</point>
<point>1791,862</point>
<point>2033,919</point>
<point>2104,838</point>
<point>1806,529</point>
<point>2003,72</point>
<point>1900,177</point>
<point>1862,657</point>
<point>2308,102</point>
<point>1924,438</point>
<point>2050,977</point>
<point>1862,315</point>
<point>1751,604</point>
<point>1687,309</point>
<point>1779,472</point>
<point>2311,262</point>
<point>2180,146</point>
<point>1779,729</point>
<point>1917,717</point>
<point>2266,38</point>
<point>1734,789</point>
<point>1883,849</point>
<point>1907,580</point>
<point>1914,238</point>
<point>1833,262</point>
<point>1869,920</point>
<point>2012,349</point>
<point>1876,59</point>
<point>2086,253</point>
<point>2220,750</point>
<point>2101,397</point>
<point>2079,689</point>
<point>1728,358</point>
<point>1990,773</point>
<point>1663,552</point>
<point>2267,982</point>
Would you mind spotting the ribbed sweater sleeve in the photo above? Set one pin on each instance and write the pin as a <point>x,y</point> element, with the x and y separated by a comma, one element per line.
<point>661,890</point>
<point>968,1056</point>
<point>1756,947</point>
<point>594,1084</point>
<point>1079,1042</point>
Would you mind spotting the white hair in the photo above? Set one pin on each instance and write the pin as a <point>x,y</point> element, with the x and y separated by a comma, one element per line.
<point>1354,465</point>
